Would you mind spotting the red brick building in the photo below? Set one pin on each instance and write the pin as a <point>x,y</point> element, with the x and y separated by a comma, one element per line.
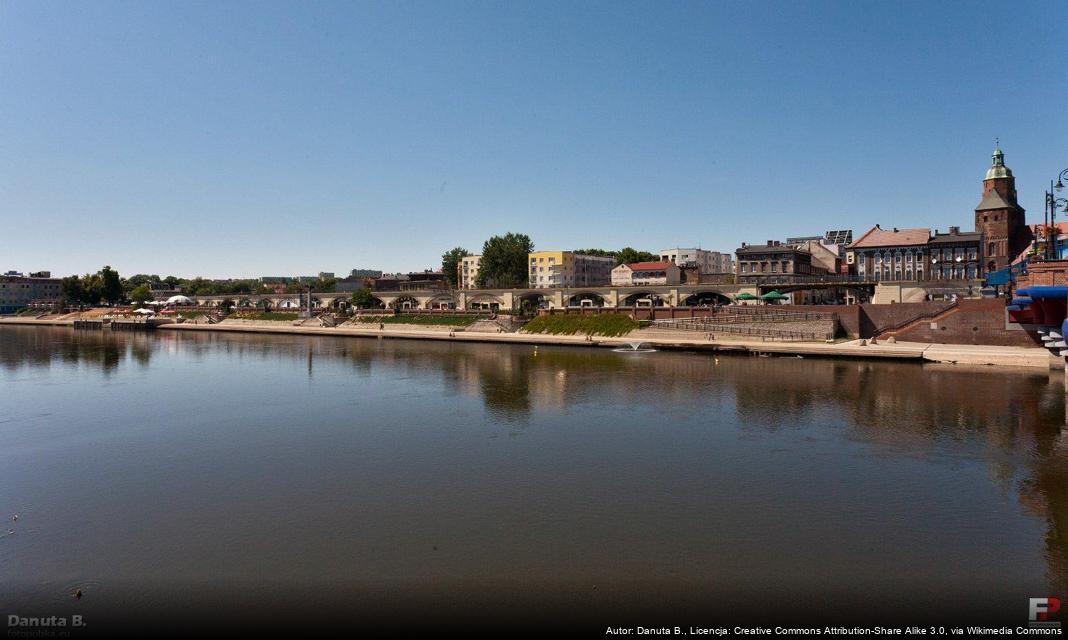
<point>999,217</point>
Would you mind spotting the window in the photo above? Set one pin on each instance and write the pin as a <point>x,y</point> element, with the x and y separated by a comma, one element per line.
<point>990,250</point>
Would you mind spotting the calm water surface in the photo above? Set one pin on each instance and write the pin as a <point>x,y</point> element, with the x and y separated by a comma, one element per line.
<point>173,470</point>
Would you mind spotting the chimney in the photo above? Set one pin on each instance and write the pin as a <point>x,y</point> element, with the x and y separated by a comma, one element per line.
<point>771,243</point>
<point>953,231</point>
<point>744,245</point>
<point>878,227</point>
<point>895,229</point>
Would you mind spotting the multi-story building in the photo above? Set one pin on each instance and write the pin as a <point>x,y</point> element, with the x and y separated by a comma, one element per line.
<point>824,254</point>
<point>18,291</point>
<point>883,254</point>
<point>999,217</point>
<point>664,272</point>
<point>774,262</point>
<point>467,271</point>
<point>705,261</point>
<point>555,269</point>
<point>955,255</point>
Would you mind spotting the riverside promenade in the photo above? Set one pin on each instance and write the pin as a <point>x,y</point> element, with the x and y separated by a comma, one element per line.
<point>1029,357</point>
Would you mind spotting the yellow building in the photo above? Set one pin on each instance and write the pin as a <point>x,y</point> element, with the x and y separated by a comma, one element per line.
<point>558,269</point>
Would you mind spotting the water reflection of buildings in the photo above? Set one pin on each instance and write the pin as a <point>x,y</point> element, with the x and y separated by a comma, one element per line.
<point>1016,418</point>
<point>39,347</point>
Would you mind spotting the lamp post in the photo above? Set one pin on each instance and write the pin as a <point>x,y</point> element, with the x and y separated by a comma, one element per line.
<point>1052,202</point>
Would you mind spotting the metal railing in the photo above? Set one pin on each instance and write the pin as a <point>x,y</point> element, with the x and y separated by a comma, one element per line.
<point>786,280</point>
<point>923,315</point>
<point>784,335</point>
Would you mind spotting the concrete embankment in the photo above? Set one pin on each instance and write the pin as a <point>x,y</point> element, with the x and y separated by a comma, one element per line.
<point>660,339</point>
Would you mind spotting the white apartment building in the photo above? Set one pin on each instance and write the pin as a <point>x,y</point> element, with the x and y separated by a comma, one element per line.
<point>705,261</point>
<point>467,269</point>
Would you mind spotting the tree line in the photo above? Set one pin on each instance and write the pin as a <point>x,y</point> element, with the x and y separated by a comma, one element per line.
<point>107,286</point>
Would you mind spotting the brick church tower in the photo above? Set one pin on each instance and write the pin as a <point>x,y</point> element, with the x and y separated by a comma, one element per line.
<point>1000,218</point>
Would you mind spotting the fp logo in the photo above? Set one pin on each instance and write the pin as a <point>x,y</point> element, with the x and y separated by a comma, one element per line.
<point>1040,609</point>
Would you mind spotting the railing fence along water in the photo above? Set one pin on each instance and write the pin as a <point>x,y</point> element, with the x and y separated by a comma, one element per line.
<point>728,320</point>
<point>765,333</point>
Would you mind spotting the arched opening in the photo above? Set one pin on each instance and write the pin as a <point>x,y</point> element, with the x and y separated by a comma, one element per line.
<point>441,303</point>
<point>245,303</point>
<point>264,304</point>
<point>644,299</point>
<point>226,305</point>
<point>483,303</point>
<point>530,303</point>
<point>705,299</point>
<point>405,303</point>
<point>289,303</point>
<point>586,299</point>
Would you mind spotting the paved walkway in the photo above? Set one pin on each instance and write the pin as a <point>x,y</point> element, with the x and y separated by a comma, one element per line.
<point>1031,357</point>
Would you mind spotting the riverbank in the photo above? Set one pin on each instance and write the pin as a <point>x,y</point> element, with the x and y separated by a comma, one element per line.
<point>1027,357</point>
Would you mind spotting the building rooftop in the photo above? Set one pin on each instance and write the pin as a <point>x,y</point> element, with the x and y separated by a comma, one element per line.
<point>997,168</point>
<point>650,266</point>
<point>879,237</point>
<point>993,200</point>
<point>957,236</point>
<point>769,248</point>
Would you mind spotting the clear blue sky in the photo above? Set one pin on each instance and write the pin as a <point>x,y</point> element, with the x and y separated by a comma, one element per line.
<point>231,139</point>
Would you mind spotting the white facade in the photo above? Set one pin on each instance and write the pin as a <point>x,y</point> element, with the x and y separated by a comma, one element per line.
<point>468,271</point>
<point>705,261</point>
<point>646,274</point>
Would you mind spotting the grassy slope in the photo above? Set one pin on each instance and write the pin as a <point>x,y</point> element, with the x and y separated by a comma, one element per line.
<point>602,324</point>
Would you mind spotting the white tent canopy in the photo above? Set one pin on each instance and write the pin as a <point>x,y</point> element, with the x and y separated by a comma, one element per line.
<point>179,300</point>
<point>145,311</point>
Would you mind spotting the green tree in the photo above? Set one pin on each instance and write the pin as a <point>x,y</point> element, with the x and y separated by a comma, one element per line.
<point>626,255</point>
<point>72,289</point>
<point>450,261</point>
<point>504,261</point>
<point>141,294</point>
<point>110,285</point>
<point>362,298</point>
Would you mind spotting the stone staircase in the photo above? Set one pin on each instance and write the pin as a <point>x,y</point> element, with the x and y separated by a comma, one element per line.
<point>501,324</point>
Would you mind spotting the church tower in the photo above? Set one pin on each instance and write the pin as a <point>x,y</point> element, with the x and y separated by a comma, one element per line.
<point>999,217</point>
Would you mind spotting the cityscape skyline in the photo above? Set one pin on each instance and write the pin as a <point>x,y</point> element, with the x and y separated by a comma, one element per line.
<point>318,138</point>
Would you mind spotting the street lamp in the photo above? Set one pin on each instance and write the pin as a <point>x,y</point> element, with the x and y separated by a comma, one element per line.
<point>1052,202</point>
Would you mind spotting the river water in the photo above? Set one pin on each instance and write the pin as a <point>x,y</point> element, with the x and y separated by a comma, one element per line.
<point>179,476</point>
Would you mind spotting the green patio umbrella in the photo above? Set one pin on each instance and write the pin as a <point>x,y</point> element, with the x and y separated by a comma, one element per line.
<point>773,295</point>
<point>745,296</point>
